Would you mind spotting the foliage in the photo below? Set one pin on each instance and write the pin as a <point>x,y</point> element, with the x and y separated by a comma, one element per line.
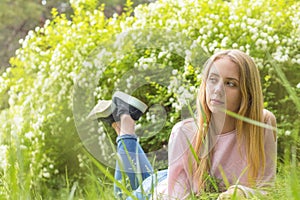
<point>155,54</point>
<point>17,17</point>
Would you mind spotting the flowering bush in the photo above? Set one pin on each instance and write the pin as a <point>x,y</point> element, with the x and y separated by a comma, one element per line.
<point>64,67</point>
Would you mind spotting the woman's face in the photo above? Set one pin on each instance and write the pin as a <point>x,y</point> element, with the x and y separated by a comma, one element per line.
<point>223,86</point>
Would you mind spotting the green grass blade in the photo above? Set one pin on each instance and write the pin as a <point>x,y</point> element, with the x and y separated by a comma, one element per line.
<point>110,176</point>
<point>250,121</point>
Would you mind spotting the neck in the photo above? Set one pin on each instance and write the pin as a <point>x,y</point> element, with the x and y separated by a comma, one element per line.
<point>223,125</point>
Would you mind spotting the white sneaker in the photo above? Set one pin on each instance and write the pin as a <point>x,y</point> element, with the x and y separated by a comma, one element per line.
<point>103,111</point>
<point>127,104</point>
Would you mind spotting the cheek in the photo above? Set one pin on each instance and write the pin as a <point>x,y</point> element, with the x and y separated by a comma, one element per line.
<point>208,89</point>
<point>238,98</point>
<point>207,93</point>
<point>233,100</point>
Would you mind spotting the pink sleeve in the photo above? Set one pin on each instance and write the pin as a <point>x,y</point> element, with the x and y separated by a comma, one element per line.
<point>180,160</point>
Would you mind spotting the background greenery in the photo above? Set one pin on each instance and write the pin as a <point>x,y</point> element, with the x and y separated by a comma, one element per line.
<point>42,154</point>
<point>18,17</point>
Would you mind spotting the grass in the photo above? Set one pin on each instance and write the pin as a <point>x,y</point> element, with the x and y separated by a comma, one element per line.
<point>287,184</point>
<point>100,185</point>
<point>287,187</point>
<point>15,182</point>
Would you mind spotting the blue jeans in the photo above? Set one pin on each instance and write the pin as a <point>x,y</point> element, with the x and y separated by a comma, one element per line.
<point>132,164</point>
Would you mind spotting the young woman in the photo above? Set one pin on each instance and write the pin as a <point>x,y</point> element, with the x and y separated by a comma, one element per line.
<point>239,154</point>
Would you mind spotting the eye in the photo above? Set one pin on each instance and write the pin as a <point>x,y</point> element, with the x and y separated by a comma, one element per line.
<point>213,79</point>
<point>231,83</point>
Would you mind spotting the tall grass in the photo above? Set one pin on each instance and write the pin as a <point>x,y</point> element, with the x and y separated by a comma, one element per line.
<point>14,183</point>
<point>287,185</point>
<point>290,172</point>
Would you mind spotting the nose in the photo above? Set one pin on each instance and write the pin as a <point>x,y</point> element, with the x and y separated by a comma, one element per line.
<point>219,88</point>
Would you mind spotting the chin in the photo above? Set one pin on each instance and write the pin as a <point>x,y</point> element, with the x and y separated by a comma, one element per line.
<point>215,110</point>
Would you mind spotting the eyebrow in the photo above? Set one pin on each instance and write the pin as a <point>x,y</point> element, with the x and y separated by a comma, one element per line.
<point>230,78</point>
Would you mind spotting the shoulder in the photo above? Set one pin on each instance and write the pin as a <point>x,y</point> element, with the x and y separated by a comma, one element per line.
<point>187,125</point>
<point>270,119</point>
<point>269,116</point>
<point>186,128</point>
<point>181,138</point>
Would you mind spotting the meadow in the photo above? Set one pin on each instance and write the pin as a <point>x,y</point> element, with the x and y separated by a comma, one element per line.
<point>155,52</point>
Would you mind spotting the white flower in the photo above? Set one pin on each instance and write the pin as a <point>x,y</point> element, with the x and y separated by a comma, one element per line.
<point>188,54</point>
<point>37,29</point>
<point>250,21</point>
<point>192,88</point>
<point>234,45</point>
<point>270,39</point>
<point>138,126</point>
<point>145,66</point>
<point>278,14</point>
<point>3,162</point>
<point>243,25</point>
<point>263,34</point>
<point>298,86</point>
<point>46,174</point>
<point>29,135</point>
<point>287,133</point>
<point>209,33</point>
<point>161,54</point>
<point>21,41</point>
<point>174,72</point>
<point>172,119</point>
<point>224,42</point>
<point>87,64</point>
<point>201,31</point>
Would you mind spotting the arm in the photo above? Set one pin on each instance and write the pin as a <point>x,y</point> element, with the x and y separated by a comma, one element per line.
<point>180,160</point>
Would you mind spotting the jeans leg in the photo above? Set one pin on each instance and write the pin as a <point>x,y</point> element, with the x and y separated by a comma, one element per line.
<point>133,162</point>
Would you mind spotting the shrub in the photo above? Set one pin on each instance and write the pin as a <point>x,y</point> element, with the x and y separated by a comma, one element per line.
<point>64,67</point>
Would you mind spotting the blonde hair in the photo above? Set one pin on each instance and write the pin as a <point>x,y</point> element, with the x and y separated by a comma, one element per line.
<point>251,107</point>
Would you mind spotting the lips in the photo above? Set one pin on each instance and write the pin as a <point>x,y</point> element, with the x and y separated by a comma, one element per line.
<point>216,102</point>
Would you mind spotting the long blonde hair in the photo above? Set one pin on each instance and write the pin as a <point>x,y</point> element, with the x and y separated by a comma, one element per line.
<point>251,107</point>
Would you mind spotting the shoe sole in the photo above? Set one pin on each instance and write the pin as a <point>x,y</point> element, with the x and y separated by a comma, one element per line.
<point>102,110</point>
<point>131,101</point>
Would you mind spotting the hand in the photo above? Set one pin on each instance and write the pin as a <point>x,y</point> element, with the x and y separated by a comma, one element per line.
<point>239,194</point>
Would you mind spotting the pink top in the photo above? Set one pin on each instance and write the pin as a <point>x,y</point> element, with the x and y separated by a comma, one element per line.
<point>226,155</point>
